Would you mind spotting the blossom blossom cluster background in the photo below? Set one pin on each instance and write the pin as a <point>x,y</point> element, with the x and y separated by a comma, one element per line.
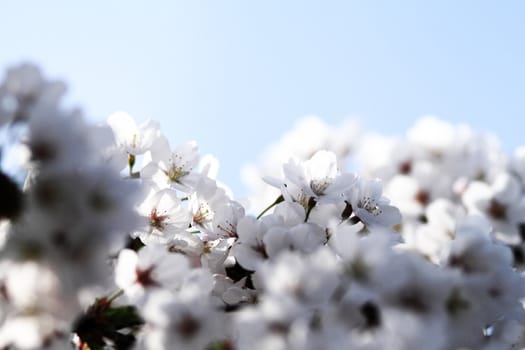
<point>114,237</point>
<point>175,207</point>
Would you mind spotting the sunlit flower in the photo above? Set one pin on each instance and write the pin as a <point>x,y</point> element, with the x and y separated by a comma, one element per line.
<point>173,168</point>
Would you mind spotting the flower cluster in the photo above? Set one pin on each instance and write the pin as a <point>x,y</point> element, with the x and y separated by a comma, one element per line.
<point>114,238</point>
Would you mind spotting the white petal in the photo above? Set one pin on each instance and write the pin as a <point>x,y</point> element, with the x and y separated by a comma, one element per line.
<point>123,126</point>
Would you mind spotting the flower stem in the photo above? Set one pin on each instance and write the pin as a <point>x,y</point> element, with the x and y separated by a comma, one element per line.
<point>115,295</point>
<point>311,204</point>
<point>277,201</point>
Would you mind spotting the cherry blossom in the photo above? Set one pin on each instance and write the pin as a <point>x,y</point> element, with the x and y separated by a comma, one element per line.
<point>421,247</point>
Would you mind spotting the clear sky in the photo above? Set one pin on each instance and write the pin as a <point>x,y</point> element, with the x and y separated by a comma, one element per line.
<point>235,75</point>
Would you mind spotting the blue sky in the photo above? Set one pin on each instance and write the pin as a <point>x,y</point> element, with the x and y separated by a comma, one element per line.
<point>235,75</point>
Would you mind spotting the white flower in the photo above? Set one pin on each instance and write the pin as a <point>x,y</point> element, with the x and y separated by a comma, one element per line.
<point>133,139</point>
<point>432,237</point>
<point>485,279</point>
<point>212,212</point>
<point>503,202</point>
<point>58,140</point>
<point>190,323</point>
<point>173,169</point>
<point>473,251</point>
<point>214,253</point>
<point>310,279</point>
<point>24,90</point>
<point>370,206</point>
<point>409,331</point>
<point>340,139</point>
<point>413,194</point>
<point>226,218</point>
<point>164,215</point>
<point>385,157</point>
<point>304,238</point>
<point>73,221</point>
<point>33,285</point>
<point>34,332</point>
<point>232,293</point>
<point>295,288</point>
<point>150,268</point>
<point>316,179</point>
<point>249,250</point>
<point>362,257</point>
